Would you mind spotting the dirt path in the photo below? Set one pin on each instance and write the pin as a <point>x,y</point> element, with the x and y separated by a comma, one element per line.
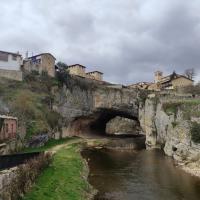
<point>56,148</point>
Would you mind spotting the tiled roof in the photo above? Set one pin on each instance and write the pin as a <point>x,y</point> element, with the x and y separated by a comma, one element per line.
<point>6,52</point>
<point>76,65</point>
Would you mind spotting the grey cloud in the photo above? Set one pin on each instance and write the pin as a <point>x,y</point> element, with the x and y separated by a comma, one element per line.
<point>127,40</point>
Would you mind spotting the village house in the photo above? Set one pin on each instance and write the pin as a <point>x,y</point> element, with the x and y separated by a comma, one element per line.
<point>10,65</point>
<point>8,127</point>
<point>161,82</point>
<point>171,81</point>
<point>140,85</point>
<point>96,75</point>
<point>77,69</point>
<point>80,70</point>
<point>44,62</point>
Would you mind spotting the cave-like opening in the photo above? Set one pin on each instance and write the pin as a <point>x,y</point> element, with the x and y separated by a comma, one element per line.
<point>95,124</point>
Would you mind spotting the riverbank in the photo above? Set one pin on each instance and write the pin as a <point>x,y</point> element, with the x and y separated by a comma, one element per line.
<point>66,177</point>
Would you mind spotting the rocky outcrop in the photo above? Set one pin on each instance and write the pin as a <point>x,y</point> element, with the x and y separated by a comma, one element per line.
<point>167,123</point>
<point>79,103</point>
<point>121,125</point>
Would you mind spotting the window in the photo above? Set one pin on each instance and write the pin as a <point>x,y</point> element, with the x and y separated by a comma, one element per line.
<point>12,131</point>
<point>3,56</point>
<point>14,57</point>
<point>6,128</point>
<point>12,128</point>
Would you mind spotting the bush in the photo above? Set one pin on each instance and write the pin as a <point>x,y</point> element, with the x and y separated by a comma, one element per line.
<point>171,107</point>
<point>27,173</point>
<point>174,124</point>
<point>195,132</point>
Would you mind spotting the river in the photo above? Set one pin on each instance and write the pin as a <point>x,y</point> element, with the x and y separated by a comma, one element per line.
<point>139,175</point>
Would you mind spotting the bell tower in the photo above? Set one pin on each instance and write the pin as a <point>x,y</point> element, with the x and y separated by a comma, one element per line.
<point>158,76</point>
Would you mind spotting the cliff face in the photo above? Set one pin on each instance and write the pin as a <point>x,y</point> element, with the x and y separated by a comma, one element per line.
<point>168,123</point>
<point>80,106</point>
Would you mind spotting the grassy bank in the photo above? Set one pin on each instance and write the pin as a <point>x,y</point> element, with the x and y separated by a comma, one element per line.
<point>51,143</point>
<point>64,178</point>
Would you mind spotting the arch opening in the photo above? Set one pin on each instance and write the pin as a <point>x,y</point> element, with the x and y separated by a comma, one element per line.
<point>95,124</point>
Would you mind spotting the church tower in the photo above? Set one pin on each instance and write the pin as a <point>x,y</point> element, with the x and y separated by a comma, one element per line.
<point>158,76</point>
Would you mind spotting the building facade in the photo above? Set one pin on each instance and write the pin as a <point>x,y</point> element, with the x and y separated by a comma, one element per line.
<point>10,65</point>
<point>80,70</point>
<point>77,69</point>
<point>44,62</point>
<point>8,127</point>
<point>96,75</point>
<point>140,85</point>
<point>171,81</point>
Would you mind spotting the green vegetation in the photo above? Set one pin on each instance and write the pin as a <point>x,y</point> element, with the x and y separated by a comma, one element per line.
<point>174,124</point>
<point>171,107</point>
<point>195,132</point>
<point>26,175</point>
<point>189,107</point>
<point>51,143</point>
<point>31,101</point>
<point>143,95</point>
<point>63,179</point>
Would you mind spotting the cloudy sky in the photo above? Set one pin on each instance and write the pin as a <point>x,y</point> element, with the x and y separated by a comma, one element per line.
<point>126,39</point>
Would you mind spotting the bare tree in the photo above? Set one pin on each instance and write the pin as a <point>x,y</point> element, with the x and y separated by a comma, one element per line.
<point>190,73</point>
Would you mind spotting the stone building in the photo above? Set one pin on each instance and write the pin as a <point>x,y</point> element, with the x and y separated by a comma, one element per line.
<point>8,127</point>
<point>44,62</point>
<point>140,85</point>
<point>80,70</point>
<point>10,65</point>
<point>171,81</point>
<point>77,69</point>
<point>96,75</point>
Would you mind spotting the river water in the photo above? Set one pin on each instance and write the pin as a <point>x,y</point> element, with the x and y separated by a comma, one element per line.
<point>139,175</point>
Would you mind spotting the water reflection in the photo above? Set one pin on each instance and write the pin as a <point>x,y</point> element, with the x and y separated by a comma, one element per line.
<point>142,175</point>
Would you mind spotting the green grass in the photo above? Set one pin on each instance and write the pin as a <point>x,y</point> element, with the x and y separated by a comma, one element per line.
<point>51,143</point>
<point>190,107</point>
<point>63,179</point>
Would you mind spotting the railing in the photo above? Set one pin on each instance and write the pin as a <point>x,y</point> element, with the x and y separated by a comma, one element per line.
<point>9,161</point>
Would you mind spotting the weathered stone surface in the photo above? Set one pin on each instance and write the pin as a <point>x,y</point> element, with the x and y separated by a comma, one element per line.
<point>172,132</point>
<point>121,125</point>
<point>74,103</point>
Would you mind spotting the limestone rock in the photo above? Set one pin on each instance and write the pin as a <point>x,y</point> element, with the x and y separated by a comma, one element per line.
<point>120,125</point>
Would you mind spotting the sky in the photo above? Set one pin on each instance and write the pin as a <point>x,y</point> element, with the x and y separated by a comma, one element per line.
<point>125,39</point>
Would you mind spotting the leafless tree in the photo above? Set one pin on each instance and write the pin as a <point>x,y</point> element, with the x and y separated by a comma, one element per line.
<point>190,73</point>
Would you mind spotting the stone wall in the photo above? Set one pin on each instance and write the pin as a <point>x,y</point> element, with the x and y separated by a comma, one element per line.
<point>11,74</point>
<point>6,178</point>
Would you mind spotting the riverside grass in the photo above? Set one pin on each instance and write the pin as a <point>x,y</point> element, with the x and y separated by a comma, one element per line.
<point>63,179</point>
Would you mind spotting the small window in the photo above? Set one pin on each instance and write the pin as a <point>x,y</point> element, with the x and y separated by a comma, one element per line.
<point>12,128</point>
<point>14,57</point>
<point>6,128</point>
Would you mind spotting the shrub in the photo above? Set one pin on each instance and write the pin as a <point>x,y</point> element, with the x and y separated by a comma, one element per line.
<point>53,119</point>
<point>171,107</point>
<point>174,124</point>
<point>27,173</point>
<point>195,132</point>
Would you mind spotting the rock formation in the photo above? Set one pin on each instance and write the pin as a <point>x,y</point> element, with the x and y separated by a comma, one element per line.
<point>168,122</point>
<point>121,125</point>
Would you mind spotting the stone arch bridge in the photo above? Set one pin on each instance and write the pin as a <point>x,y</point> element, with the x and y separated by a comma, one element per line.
<point>88,109</point>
